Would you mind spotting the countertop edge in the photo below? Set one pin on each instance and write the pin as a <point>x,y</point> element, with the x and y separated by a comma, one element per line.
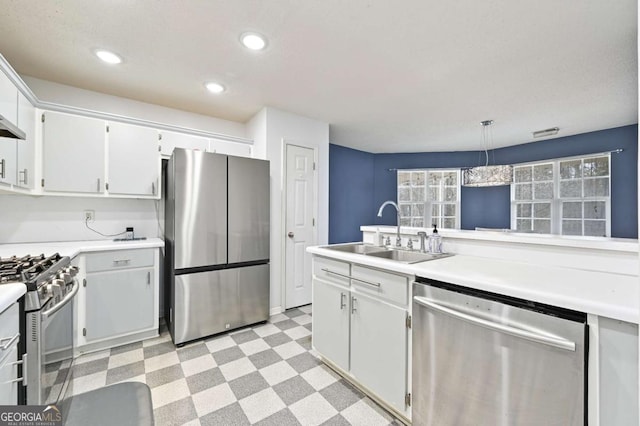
<point>74,248</point>
<point>10,293</point>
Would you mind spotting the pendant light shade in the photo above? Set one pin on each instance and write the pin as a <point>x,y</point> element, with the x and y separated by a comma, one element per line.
<point>481,176</point>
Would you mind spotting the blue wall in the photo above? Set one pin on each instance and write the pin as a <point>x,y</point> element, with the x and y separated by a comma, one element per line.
<point>481,207</point>
<point>350,193</point>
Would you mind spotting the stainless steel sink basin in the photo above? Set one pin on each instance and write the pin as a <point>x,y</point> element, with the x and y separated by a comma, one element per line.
<point>408,256</point>
<point>359,248</point>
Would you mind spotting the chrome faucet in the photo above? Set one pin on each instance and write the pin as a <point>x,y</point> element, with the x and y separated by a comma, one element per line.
<point>385,204</point>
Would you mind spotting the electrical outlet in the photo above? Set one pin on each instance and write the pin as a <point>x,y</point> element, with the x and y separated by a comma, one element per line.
<point>89,215</point>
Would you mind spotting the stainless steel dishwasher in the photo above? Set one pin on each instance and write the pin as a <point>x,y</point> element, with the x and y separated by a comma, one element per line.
<point>481,358</point>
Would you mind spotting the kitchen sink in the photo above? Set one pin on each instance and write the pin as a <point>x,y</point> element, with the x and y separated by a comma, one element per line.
<point>408,256</point>
<point>359,248</point>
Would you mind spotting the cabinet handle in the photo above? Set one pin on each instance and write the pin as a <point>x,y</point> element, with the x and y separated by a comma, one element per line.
<point>121,262</point>
<point>148,277</point>
<point>98,185</point>
<point>24,179</point>
<point>342,304</point>
<point>10,341</point>
<point>353,305</point>
<point>3,164</point>
<point>153,188</point>
<point>18,380</point>
<point>328,271</point>
<point>366,282</point>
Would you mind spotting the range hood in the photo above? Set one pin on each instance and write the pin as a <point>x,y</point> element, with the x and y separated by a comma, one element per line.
<point>10,130</point>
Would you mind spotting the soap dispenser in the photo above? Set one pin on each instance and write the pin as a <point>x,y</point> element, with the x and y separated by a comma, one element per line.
<point>435,241</point>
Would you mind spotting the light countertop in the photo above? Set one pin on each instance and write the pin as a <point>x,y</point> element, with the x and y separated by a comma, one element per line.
<point>9,293</point>
<point>73,248</point>
<point>610,295</point>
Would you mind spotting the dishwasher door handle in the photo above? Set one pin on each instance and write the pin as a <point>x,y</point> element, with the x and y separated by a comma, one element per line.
<point>513,331</point>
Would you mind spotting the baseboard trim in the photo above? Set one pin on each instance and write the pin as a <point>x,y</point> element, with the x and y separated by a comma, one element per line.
<point>275,311</point>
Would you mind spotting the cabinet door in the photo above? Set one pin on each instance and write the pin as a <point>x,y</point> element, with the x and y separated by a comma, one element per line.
<point>8,99</point>
<point>118,303</point>
<point>331,322</point>
<point>171,140</point>
<point>8,160</point>
<point>379,348</point>
<point>8,374</point>
<point>26,148</point>
<point>73,153</point>
<point>230,148</point>
<point>134,160</point>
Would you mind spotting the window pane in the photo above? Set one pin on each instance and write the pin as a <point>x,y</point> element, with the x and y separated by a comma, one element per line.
<point>404,178</point>
<point>451,178</point>
<point>542,210</point>
<point>417,194</point>
<point>522,174</point>
<point>449,223</point>
<point>543,191</point>
<point>598,166</point>
<point>571,227</point>
<point>405,221</point>
<point>435,210</point>
<point>523,191</point>
<point>572,210</point>
<point>543,172</point>
<point>523,225</point>
<point>404,194</point>
<point>571,169</point>
<point>417,178</point>
<point>571,188</point>
<point>405,210</point>
<point>449,209</point>
<point>434,193</point>
<point>450,194</point>
<point>542,226</point>
<point>594,210</point>
<point>596,187</point>
<point>417,210</point>
<point>523,210</point>
<point>595,228</point>
<point>417,222</point>
<point>435,178</point>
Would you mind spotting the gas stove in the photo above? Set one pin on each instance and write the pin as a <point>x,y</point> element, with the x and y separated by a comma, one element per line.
<point>47,277</point>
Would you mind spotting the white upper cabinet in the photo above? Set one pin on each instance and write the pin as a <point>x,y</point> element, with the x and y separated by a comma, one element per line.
<point>134,160</point>
<point>73,153</point>
<point>8,146</point>
<point>171,140</point>
<point>230,148</point>
<point>26,148</point>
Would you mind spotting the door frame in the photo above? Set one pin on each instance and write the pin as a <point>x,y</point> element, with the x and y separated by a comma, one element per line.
<point>283,217</point>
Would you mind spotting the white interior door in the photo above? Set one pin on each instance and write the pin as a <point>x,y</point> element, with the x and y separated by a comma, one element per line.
<point>299,218</point>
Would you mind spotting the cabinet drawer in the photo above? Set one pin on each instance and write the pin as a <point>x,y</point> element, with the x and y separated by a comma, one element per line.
<point>388,286</point>
<point>9,324</point>
<point>333,271</point>
<point>119,259</point>
<point>8,374</point>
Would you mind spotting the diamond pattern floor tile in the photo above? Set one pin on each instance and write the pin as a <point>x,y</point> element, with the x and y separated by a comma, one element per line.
<point>266,375</point>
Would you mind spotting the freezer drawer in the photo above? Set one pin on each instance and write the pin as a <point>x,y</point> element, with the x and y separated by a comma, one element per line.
<point>483,362</point>
<point>212,302</point>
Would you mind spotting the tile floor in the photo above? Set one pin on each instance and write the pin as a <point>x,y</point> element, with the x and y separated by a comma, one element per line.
<point>266,375</point>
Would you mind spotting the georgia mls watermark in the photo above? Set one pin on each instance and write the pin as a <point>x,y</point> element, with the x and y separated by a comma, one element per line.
<point>30,415</point>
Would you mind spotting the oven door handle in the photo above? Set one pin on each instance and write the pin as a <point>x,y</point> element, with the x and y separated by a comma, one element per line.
<point>46,314</point>
<point>513,331</point>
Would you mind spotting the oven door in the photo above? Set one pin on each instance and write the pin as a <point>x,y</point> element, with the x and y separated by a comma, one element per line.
<point>56,334</point>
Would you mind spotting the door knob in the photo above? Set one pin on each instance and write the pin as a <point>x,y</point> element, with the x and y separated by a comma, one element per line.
<point>290,234</point>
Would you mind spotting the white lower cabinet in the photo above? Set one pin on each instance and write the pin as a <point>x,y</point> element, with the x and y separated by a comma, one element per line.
<point>331,322</point>
<point>360,325</point>
<point>379,348</point>
<point>9,336</point>
<point>118,300</point>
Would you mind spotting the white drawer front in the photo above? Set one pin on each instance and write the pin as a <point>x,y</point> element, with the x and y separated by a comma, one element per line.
<point>333,271</point>
<point>392,287</point>
<point>9,327</point>
<point>119,259</point>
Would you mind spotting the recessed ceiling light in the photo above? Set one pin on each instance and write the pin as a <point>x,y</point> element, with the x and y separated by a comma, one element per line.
<point>215,87</point>
<point>108,57</point>
<point>253,41</point>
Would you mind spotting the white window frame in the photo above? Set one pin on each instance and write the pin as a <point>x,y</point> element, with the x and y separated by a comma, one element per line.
<point>556,202</point>
<point>427,218</point>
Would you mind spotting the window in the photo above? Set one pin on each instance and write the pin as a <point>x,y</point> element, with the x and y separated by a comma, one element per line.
<point>567,197</point>
<point>427,197</point>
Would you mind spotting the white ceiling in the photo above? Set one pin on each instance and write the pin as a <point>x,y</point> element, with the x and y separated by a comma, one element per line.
<point>389,76</point>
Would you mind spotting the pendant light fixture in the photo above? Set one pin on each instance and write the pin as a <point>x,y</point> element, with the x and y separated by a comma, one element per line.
<point>487,175</point>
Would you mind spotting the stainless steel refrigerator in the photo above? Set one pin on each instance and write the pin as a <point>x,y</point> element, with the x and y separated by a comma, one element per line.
<point>216,243</point>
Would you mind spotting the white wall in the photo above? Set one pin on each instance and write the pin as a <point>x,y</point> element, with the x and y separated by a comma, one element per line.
<point>40,219</point>
<point>48,91</point>
<point>284,127</point>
